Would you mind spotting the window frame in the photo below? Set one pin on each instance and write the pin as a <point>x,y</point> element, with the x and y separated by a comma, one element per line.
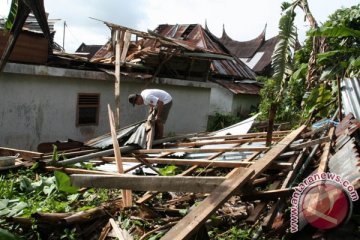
<point>78,106</point>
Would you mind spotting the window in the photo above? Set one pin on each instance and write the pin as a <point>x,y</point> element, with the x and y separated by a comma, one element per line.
<point>88,109</point>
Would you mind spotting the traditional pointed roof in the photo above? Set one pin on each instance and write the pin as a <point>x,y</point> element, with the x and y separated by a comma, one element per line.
<point>245,49</point>
<point>267,49</point>
<point>198,37</point>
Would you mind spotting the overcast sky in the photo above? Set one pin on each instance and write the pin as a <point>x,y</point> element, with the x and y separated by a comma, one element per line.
<point>243,20</point>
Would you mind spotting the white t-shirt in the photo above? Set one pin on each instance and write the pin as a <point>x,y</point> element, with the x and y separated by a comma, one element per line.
<point>152,96</point>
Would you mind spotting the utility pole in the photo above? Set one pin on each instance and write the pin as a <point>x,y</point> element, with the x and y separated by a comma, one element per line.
<point>63,45</point>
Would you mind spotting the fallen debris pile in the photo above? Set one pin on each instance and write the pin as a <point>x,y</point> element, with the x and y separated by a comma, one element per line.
<point>214,186</point>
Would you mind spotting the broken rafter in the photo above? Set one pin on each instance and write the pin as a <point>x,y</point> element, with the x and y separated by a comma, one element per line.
<point>203,150</point>
<point>198,162</point>
<point>197,144</point>
<point>194,220</point>
<point>149,183</point>
<point>310,143</point>
<point>248,135</point>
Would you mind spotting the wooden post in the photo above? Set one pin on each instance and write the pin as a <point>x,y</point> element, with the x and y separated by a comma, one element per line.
<point>272,115</point>
<point>117,78</point>
<point>338,80</point>
<point>127,194</point>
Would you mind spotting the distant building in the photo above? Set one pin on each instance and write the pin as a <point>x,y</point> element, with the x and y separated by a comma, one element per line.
<point>255,53</point>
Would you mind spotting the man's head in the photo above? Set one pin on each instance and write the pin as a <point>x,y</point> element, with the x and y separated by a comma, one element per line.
<point>135,99</point>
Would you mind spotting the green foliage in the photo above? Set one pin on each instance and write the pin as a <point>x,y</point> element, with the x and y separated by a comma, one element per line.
<point>289,108</point>
<point>219,121</point>
<point>69,234</point>
<point>342,32</point>
<point>169,170</point>
<point>233,233</point>
<point>12,15</point>
<point>317,103</point>
<point>5,235</point>
<point>282,56</point>
<point>63,183</point>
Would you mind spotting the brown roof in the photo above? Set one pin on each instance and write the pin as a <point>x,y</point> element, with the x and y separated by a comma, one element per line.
<point>267,48</point>
<point>90,49</point>
<point>238,87</point>
<point>201,39</point>
<point>245,49</point>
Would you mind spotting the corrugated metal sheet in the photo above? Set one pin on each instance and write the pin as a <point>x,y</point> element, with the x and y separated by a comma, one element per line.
<point>195,36</point>
<point>240,88</point>
<point>350,93</point>
<point>105,141</point>
<point>346,163</point>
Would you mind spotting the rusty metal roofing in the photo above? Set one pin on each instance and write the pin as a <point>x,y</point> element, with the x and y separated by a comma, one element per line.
<point>347,126</point>
<point>245,49</point>
<point>194,35</point>
<point>350,94</point>
<point>239,87</point>
<point>346,163</point>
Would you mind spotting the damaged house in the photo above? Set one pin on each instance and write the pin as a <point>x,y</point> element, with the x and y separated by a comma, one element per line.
<point>255,53</point>
<point>64,96</point>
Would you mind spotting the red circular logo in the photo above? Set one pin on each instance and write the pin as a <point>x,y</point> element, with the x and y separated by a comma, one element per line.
<point>325,205</point>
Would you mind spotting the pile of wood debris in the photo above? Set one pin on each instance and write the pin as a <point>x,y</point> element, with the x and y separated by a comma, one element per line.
<point>217,181</point>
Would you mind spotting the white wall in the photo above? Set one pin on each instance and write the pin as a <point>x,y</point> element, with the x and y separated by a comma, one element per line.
<point>37,109</point>
<point>39,105</point>
<point>221,100</point>
<point>224,101</point>
<point>243,104</point>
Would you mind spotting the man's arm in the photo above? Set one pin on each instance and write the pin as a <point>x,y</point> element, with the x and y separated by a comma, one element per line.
<point>160,106</point>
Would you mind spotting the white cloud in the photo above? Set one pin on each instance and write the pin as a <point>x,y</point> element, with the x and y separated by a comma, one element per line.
<point>243,20</point>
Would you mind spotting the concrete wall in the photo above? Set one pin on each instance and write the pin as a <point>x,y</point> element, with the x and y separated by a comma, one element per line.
<point>221,100</point>
<point>39,104</point>
<point>41,108</point>
<point>225,102</point>
<point>243,104</point>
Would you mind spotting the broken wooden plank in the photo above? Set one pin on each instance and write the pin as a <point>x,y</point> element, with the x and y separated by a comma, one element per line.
<point>202,150</point>
<point>196,217</point>
<point>310,143</point>
<point>214,142</point>
<point>117,230</point>
<point>263,163</point>
<point>148,183</point>
<point>27,155</point>
<point>201,162</point>
<point>247,135</point>
<point>77,170</point>
<point>296,166</point>
<point>326,152</point>
<point>260,207</point>
<point>127,195</point>
<point>126,44</point>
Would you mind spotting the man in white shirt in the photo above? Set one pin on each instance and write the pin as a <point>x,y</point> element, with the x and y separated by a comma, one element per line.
<point>158,100</point>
